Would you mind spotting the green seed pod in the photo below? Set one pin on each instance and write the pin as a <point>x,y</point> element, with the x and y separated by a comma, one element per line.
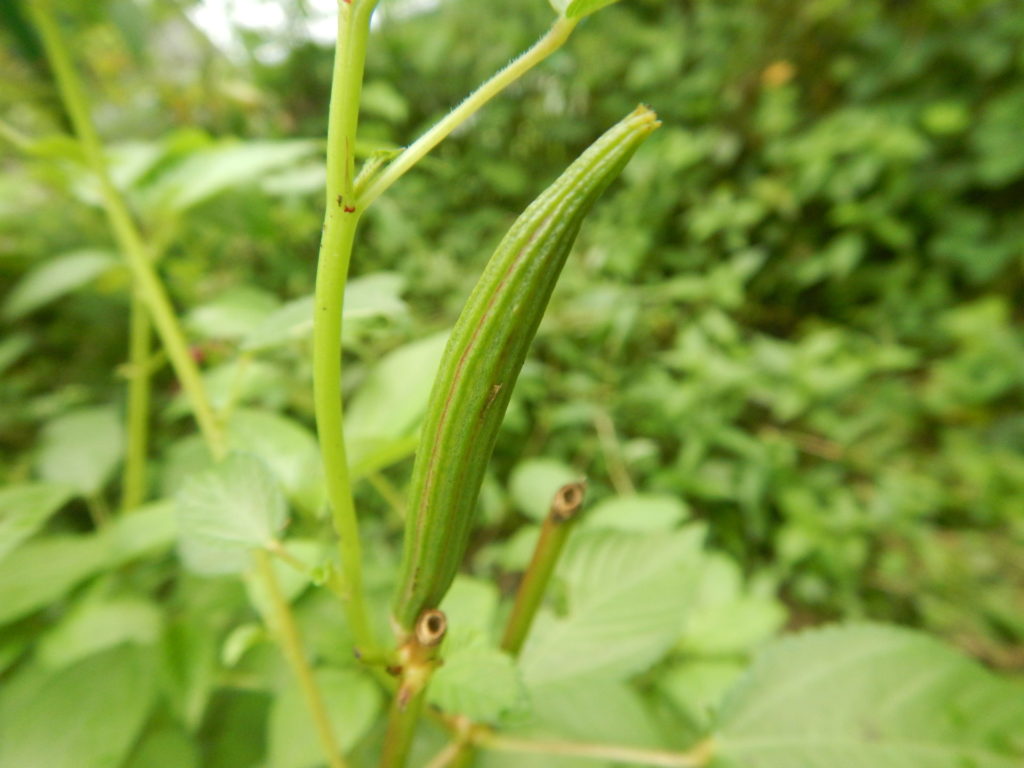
<point>482,361</point>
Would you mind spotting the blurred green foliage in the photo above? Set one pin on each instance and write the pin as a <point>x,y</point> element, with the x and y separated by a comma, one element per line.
<point>797,319</point>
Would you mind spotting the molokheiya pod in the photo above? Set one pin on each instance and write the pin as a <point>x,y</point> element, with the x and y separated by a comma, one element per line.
<point>483,358</point>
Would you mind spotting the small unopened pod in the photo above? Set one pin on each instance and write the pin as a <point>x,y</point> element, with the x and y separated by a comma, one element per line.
<point>482,361</point>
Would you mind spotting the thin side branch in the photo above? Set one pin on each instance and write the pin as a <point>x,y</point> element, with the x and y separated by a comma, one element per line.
<point>695,758</point>
<point>556,529</point>
<point>291,644</point>
<point>126,233</point>
<point>518,67</point>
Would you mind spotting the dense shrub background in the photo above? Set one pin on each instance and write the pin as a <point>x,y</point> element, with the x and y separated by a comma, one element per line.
<point>799,313</point>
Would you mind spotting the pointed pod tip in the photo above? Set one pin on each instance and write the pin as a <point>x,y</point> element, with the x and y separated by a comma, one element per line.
<point>643,114</point>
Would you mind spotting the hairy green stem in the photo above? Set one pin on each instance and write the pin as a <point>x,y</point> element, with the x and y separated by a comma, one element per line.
<point>126,233</point>
<point>291,643</point>
<point>133,487</point>
<point>519,66</point>
<point>340,220</point>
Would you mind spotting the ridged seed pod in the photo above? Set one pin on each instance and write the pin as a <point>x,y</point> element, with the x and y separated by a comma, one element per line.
<point>482,361</point>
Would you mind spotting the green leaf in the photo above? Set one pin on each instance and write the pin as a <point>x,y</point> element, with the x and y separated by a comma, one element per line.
<point>470,607</point>
<point>232,315</point>
<point>1000,156</point>
<point>39,572</point>
<point>24,509</point>
<point>189,663</point>
<point>240,381</point>
<point>242,639</point>
<point>643,513</point>
<point>289,449</point>
<point>84,716</point>
<point>352,700</point>
<point>291,322</point>
<point>305,178</point>
<point>869,695</point>
<point>213,170</point>
<point>577,9</point>
<point>374,295</point>
<point>81,449</point>
<point>369,296</point>
<point>725,617</point>
<point>12,348</point>
<point>169,747</point>
<point>592,709</point>
<point>42,571</point>
<point>149,530</point>
<point>12,646</point>
<point>98,625</point>
<point>697,688</point>
<point>227,511</point>
<point>479,682</point>
<point>627,596</point>
<point>55,278</point>
<point>534,482</point>
<point>386,411</point>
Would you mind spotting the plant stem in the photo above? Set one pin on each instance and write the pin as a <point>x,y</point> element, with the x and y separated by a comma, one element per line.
<point>133,487</point>
<point>388,492</point>
<point>453,755</point>
<point>98,511</point>
<point>147,283</point>
<point>695,758</point>
<point>553,535</point>
<point>548,44</point>
<point>277,548</point>
<point>558,524</point>
<point>418,659</point>
<point>611,447</point>
<point>340,220</point>
<point>403,716</point>
<point>152,295</point>
<point>291,644</point>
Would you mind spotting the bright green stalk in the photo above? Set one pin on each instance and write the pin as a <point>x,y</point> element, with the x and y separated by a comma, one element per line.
<point>605,753</point>
<point>130,242</point>
<point>481,363</point>
<point>558,524</point>
<point>554,533</point>
<point>519,66</point>
<point>151,292</point>
<point>340,220</point>
<point>283,623</point>
<point>133,488</point>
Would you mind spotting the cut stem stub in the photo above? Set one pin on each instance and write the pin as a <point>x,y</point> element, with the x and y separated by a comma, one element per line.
<point>417,659</point>
<point>564,510</point>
